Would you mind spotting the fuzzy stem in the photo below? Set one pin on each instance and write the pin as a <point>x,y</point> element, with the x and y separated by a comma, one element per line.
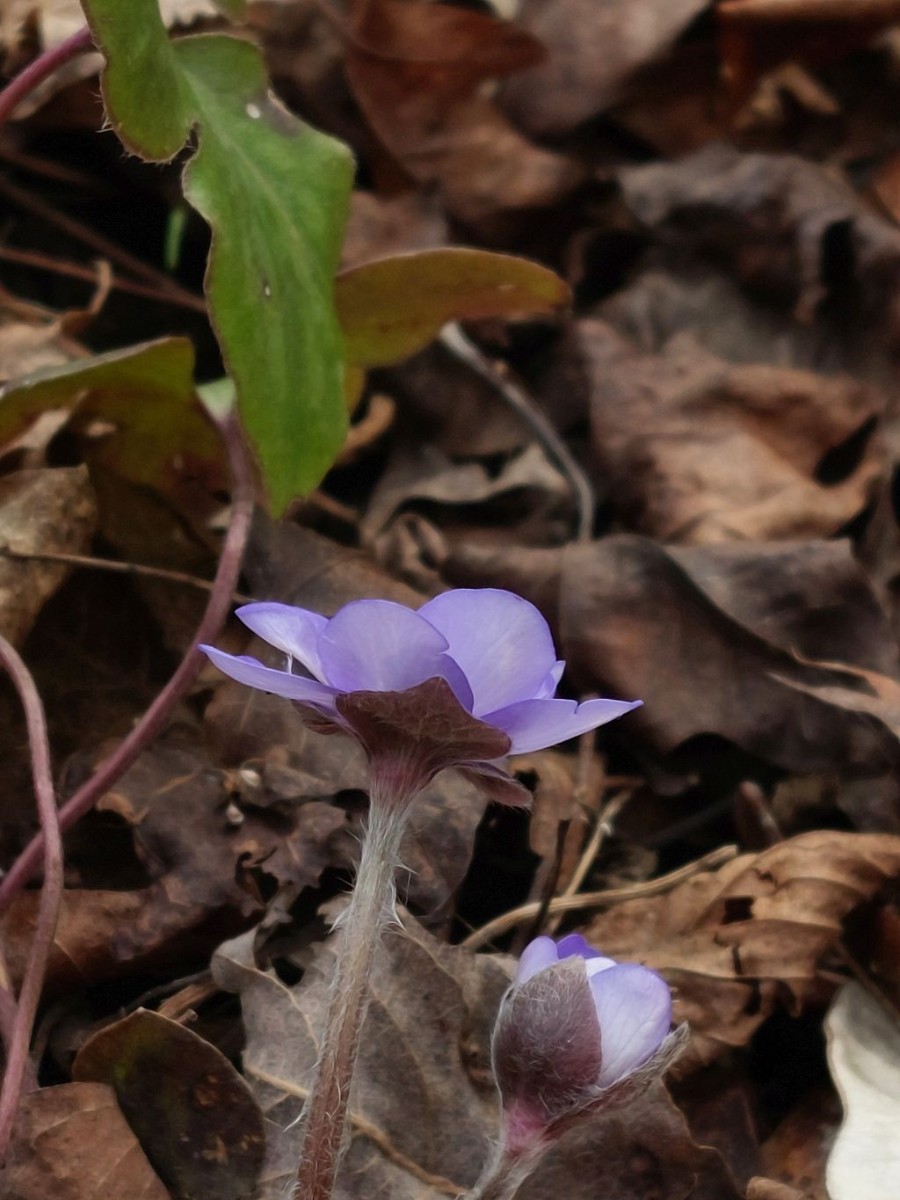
<point>362,924</point>
<point>506,1172</point>
<point>43,66</point>
<point>23,1014</point>
<point>154,719</point>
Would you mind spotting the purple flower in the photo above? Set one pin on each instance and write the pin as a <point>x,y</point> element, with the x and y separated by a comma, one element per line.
<point>575,1033</point>
<point>464,680</point>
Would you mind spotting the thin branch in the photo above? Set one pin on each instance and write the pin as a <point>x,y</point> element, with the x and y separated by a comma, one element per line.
<point>453,338</point>
<point>153,720</point>
<point>652,887</point>
<point>51,893</point>
<point>116,567</point>
<point>101,245</point>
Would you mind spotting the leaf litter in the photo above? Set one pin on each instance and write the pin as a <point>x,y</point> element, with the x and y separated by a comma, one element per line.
<point>715,189</point>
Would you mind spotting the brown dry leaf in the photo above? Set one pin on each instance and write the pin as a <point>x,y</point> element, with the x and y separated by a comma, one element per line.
<point>527,501</point>
<point>423,1105</point>
<point>193,1113</point>
<point>42,511</point>
<point>706,637</point>
<point>762,258</point>
<point>415,69</point>
<point>734,942</point>
<point>72,1143</point>
<point>696,450</point>
<point>594,47</point>
<point>379,227</point>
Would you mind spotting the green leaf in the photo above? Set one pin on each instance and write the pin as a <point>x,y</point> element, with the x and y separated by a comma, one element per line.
<point>393,307</point>
<point>135,413</point>
<point>275,193</point>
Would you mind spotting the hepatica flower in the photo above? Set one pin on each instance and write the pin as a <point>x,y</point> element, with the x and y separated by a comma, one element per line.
<point>576,1033</point>
<point>462,681</point>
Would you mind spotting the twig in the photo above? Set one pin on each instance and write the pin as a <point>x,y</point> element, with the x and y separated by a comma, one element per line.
<point>153,720</point>
<point>51,893</point>
<point>43,262</point>
<point>521,403</point>
<point>42,68</point>
<point>652,887</point>
<point>117,567</point>
<point>101,245</point>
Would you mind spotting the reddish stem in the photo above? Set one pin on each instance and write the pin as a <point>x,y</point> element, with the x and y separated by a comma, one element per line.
<point>51,893</point>
<point>153,720</point>
<point>40,69</point>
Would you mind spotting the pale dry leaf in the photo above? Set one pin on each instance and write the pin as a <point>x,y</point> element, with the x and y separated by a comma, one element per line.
<point>41,511</point>
<point>864,1056</point>
<point>72,1143</point>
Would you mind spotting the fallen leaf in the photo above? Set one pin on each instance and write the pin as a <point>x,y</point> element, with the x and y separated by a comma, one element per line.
<point>415,69</point>
<point>43,511</point>
<point>864,1056</point>
<point>72,1142</point>
<point>192,1112</point>
<point>755,470</point>
<point>594,46</point>
<point>707,637</point>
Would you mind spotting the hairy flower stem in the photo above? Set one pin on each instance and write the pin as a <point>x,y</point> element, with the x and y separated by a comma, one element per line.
<point>505,1173</point>
<point>42,68</point>
<point>362,924</point>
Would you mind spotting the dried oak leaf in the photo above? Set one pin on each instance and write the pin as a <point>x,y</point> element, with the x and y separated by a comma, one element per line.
<point>707,637</point>
<point>416,70</point>
<point>423,1103</point>
<point>43,511</point>
<point>72,1143</point>
<point>735,942</point>
<point>594,46</point>
<point>696,450</point>
<point>194,1115</point>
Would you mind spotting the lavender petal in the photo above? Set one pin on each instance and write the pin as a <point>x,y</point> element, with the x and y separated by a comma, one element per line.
<point>536,724</point>
<point>380,646</point>
<point>251,671</point>
<point>293,630</point>
<point>501,642</point>
<point>634,1009</point>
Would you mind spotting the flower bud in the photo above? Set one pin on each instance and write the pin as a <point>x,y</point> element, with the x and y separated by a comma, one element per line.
<point>576,1033</point>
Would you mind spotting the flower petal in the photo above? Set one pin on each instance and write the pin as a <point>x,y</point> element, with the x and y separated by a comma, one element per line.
<point>574,945</point>
<point>634,1008</point>
<point>551,681</point>
<point>502,643</point>
<point>537,956</point>
<point>293,630</point>
<point>251,671</point>
<point>380,646</point>
<point>536,724</point>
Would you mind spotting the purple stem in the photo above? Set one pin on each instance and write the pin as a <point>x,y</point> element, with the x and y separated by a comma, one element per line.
<point>40,69</point>
<point>153,720</point>
<point>51,893</point>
